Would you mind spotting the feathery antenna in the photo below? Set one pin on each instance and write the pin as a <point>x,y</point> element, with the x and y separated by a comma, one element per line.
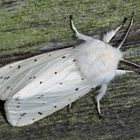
<point>127,32</point>
<point>118,28</point>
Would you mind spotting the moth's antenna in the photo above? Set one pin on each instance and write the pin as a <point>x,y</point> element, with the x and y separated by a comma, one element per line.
<point>72,26</point>
<point>130,63</point>
<point>117,29</point>
<point>127,31</point>
<point>76,33</point>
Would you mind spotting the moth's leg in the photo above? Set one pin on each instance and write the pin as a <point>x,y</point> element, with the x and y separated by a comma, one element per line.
<point>130,63</point>
<point>100,95</point>
<point>69,107</point>
<point>76,33</point>
<point>122,72</point>
<point>110,35</point>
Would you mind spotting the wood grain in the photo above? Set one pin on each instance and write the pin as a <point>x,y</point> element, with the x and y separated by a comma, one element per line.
<point>121,105</point>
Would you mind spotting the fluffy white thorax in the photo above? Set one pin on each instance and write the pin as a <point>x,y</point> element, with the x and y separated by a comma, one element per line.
<point>97,61</point>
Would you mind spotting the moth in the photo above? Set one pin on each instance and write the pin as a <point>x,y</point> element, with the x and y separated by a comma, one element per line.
<point>36,87</point>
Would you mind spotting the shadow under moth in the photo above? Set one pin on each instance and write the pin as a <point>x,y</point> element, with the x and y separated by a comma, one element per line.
<point>36,87</point>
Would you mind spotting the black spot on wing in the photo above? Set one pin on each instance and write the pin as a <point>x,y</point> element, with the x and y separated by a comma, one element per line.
<point>34,76</point>
<point>55,72</point>
<point>40,113</point>
<point>17,106</point>
<point>76,89</point>
<point>35,60</point>
<point>23,114</point>
<point>40,96</point>
<point>63,56</point>
<point>19,67</point>
<point>8,87</point>
<point>40,82</point>
<point>19,119</point>
<point>1,77</point>
<point>7,77</point>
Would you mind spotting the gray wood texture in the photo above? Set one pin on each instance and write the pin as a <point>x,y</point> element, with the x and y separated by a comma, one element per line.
<point>28,28</point>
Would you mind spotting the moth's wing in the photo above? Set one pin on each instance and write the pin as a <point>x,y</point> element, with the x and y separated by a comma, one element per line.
<point>59,85</point>
<point>28,111</point>
<point>15,76</point>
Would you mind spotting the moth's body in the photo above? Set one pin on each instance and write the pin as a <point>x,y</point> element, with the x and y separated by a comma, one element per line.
<point>38,86</point>
<point>66,77</point>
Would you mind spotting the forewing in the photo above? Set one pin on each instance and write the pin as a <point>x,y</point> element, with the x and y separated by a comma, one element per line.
<point>28,111</point>
<point>15,76</point>
<point>48,93</point>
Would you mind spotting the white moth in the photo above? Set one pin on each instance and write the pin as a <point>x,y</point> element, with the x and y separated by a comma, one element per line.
<point>38,86</point>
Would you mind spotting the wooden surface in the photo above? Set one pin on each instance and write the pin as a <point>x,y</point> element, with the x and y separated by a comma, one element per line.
<point>31,27</point>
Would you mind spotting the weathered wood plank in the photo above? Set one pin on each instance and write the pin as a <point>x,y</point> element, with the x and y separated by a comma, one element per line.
<point>27,26</point>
